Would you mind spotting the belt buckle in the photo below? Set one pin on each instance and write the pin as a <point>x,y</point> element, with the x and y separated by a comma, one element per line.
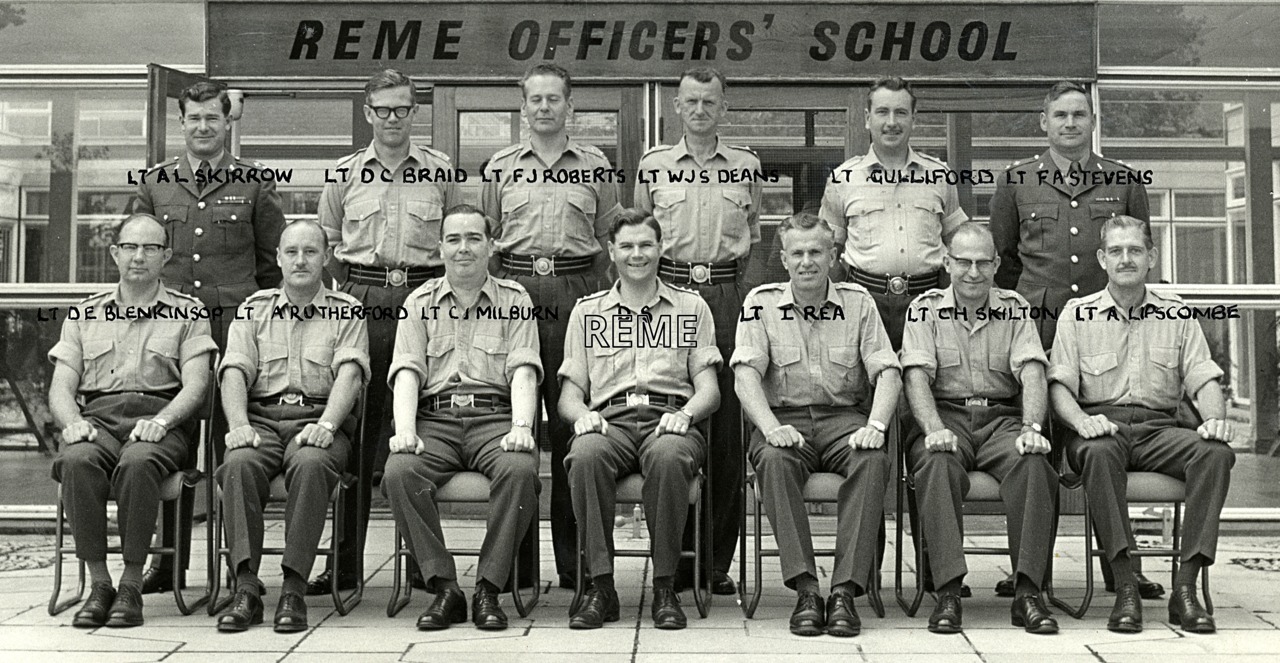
<point>700,274</point>
<point>637,399</point>
<point>462,400</point>
<point>898,285</point>
<point>543,266</point>
<point>397,277</point>
<point>975,400</point>
<point>291,399</point>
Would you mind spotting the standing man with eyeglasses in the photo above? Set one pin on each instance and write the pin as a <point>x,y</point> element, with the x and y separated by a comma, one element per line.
<point>223,227</point>
<point>386,242</point>
<point>550,238</point>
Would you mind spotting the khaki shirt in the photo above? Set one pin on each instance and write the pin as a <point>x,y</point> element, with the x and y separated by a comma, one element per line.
<point>532,216</point>
<point>1146,362</point>
<point>978,356</point>
<point>609,351</point>
<point>134,354</point>
<point>892,228</point>
<point>467,351</point>
<point>702,221</point>
<point>392,225</point>
<point>805,360</point>
<point>280,354</point>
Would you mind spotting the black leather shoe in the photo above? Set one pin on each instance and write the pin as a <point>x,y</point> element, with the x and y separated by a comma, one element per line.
<point>1126,617</point>
<point>1031,615</point>
<point>809,617</point>
<point>1007,588</point>
<point>126,611</point>
<point>1185,611</point>
<point>1146,588</point>
<point>667,614</point>
<point>291,613</point>
<point>599,606</point>
<point>486,614</point>
<point>842,618</point>
<point>94,611</point>
<point>245,611</point>
<point>450,607</point>
<point>321,584</point>
<point>723,585</point>
<point>156,580</point>
<point>946,615</point>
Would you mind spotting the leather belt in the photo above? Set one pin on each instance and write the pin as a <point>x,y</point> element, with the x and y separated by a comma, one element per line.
<point>632,398</point>
<point>546,265</point>
<point>700,273</point>
<point>442,401</point>
<point>392,278</point>
<point>891,284</point>
<point>289,399</point>
<point>979,401</point>
<point>164,393</point>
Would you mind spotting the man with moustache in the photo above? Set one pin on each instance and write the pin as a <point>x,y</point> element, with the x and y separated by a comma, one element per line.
<point>288,388</point>
<point>1115,380</point>
<point>976,383</point>
<point>818,380</point>
<point>633,408</point>
<point>386,242</point>
<point>550,238</point>
<point>139,383</point>
<point>223,235</point>
<point>466,393</point>
<point>708,231</point>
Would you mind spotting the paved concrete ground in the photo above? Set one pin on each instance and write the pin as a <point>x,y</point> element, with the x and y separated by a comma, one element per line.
<point>1246,590</point>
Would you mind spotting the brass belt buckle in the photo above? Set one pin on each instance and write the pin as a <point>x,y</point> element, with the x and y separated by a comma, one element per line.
<point>637,399</point>
<point>543,266</point>
<point>975,400</point>
<point>291,399</point>
<point>397,277</point>
<point>898,285</point>
<point>700,274</point>
<point>462,400</point>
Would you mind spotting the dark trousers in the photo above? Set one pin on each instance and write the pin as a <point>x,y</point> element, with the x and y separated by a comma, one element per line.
<point>781,473</point>
<point>560,293</point>
<point>310,475</point>
<point>725,302</point>
<point>459,439</point>
<point>90,471</point>
<point>669,464</point>
<point>1028,488</point>
<point>1152,441</point>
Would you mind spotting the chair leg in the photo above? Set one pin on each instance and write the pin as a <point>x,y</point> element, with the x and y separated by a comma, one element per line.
<point>55,605</point>
<point>1204,586</point>
<point>1177,545</point>
<point>757,538</point>
<point>701,563</point>
<point>873,583</point>
<point>186,608</point>
<point>905,494</point>
<point>343,604</point>
<point>523,607</point>
<point>399,577</point>
<point>580,584</point>
<point>1074,611</point>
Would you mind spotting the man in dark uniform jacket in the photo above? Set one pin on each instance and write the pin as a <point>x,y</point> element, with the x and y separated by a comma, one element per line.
<point>223,222</point>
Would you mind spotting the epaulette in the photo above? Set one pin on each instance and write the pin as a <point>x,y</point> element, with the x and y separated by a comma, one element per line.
<point>1086,299</point>
<point>932,292</point>
<point>590,149</point>
<point>345,298</point>
<point>510,284</point>
<point>1010,294</point>
<point>256,164</point>
<point>505,152</point>
<point>1117,162</point>
<point>1167,296</point>
<point>856,287</point>
<point>594,295</point>
<point>162,164</point>
<point>686,291</point>
<point>265,293</point>
<point>930,157</point>
<point>179,295</point>
<point>95,296</point>
<point>350,157</point>
<point>1019,164</point>
<point>656,149</point>
<point>435,153</point>
<point>768,287</point>
<point>743,148</point>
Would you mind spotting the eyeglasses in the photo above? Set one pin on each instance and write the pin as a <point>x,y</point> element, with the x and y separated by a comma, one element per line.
<point>384,112</point>
<point>149,250</point>
<point>965,265</point>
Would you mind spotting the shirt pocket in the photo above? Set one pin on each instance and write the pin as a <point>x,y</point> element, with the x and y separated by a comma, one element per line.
<point>864,221</point>
<point>160,364</point>
<point>606,368</point>
<point>99,360</point>
<point>1036,222</point>
<point>490,358</point>
<point>515,204</point>
<point>173,216</point>
<point>317,370</point>
<point>668,206</point>
<point>273,367</point>
<point>580,215</point>
<point>786,369</point>
<point>439,350</point>
<point>847,363</point>
<point>1094,378</point>
<point>735,209</point>
<point>235,225</point>
<point>1165,377</point>
<point>926,222</point>
<point>1100,212</point>
<point>358,231</point>
<point>423,230</point>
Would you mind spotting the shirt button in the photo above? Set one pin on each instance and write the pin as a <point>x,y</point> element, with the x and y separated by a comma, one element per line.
<point>1075,288</point>
<point>200,204</point>
<point>195,258</point>
<point>197,284</point>
<point>1075,203</point>
<point>1075,230</point>
<point>166,217</point>
<point>233,217</point>
<point>199,232</point>
<point>1075,259</point>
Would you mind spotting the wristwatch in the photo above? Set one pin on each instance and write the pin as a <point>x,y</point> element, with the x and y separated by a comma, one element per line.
<point>164,423</point>
<point>877,425</point>
<point>521,423</point>
<point>1033,426</point>
<point>327,425</point>
<point>685,411</point>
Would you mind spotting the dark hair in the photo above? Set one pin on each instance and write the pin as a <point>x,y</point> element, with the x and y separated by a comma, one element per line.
<point>464,208</point>
<point>805,221</point>
<point>634,217</point>
<point>1124,221</point>
<point>548,70</point>
<point>1065,87</point>
<point>386,80</point>
<point>204,91</point>
<point>892,84</point>
<point>706,75</point>
<point>140,216</point>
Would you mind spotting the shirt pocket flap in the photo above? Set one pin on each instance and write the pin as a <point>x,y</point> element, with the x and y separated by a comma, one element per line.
<point>427,210</point>
<point>668,197</point>
<point>171,212</point>
<point>784,355</point>
<point>273,352</point>
<point>1098,364</point>
<point>164,348</point>
<point>1166,357</point>
<point>844,355</point>
<point>95,349</point>
<point>360,210</point>
<point>490,345</point>
<point>737,197</point>
<point>437,347</point>
<point>930,205</point>
<point>860,207</point>
<point>948,357</point>
<point>514,200</point>
<point>585,203</point>
<point>1105,210</point>
<point>1038,211</point>
<point>318,354</point>
<point>999,361</point>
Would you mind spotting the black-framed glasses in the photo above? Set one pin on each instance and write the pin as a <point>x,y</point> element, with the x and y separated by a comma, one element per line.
<point>149,250</point>
<point>384,112</point>
<point>983,265</point>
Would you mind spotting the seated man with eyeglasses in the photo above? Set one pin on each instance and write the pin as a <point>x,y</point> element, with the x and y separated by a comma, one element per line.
<point>139,368</point>
<point>975,378</point>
